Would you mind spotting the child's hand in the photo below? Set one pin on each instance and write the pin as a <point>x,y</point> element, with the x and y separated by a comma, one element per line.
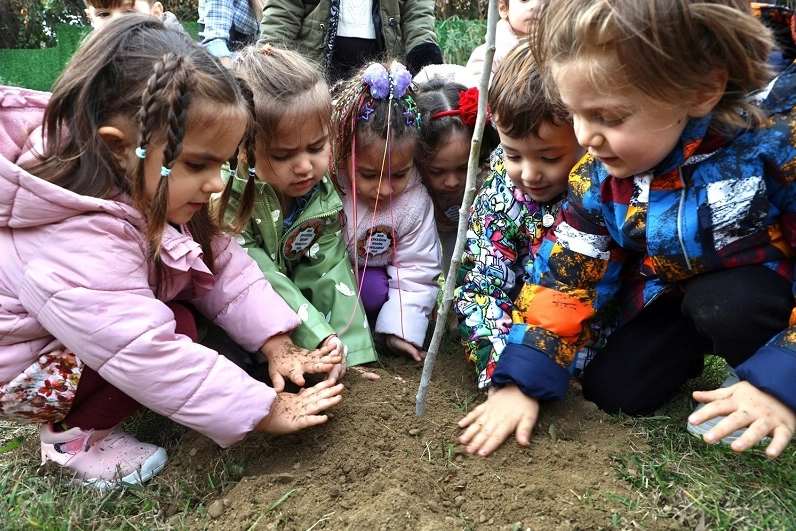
<point>285,359</point>
<point>506,410</point>
<point>399,345</point>
<point>339,369</point>
<point>746,406</point>
<point>292,412</point>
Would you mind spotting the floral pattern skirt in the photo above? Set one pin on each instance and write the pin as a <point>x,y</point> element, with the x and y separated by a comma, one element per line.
<point>44,392</point>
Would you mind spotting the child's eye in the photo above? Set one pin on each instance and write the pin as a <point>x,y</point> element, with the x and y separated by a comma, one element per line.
<point>280,157</point>
<point>102,14</point>
<point>550,160</point>
<point>318,148</point>
<point>513,158</point>
<point>610,120</point>
<point>195,166</point>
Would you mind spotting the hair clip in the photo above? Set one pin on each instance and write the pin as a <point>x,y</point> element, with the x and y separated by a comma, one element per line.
<point>140,152</point>
<point>378,79</point>
<point>412,113</point>
<point>400,79</point>
<point>267,49</point>
<point>365,111</point>
<point>164,171</point>
<point>468,108</point>
<point>233,172</point>
<point>252,173</point>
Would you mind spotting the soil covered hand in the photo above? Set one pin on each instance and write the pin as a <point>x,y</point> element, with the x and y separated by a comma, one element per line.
<point>287,360</point>
<point>746,406</point>
<point>291,412</point>
<point>339,368</point>
<point>399,345</point>
<point>507,410</point>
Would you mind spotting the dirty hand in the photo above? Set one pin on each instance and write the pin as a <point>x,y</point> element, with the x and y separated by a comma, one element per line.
<point>399,345</point>
<point>293,412</point>
<point>339,368</point>
<point>285,359</point>
<point>507,410</point>
<point>746,406</point>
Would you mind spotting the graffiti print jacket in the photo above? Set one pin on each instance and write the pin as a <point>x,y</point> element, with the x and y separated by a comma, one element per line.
<point>504,229</point>
<point>308,265</point>
<point>713,203</point>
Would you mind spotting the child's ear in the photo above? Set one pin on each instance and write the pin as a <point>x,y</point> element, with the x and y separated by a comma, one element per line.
<point>503,9</point>
<point>117,143</point>
<point>156,9</point>
<point>707,98</point>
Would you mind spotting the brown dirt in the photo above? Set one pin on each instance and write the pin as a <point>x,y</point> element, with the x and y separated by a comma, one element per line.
<point>377,466</point>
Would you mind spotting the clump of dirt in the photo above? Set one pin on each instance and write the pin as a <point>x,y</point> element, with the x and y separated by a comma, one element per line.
<point>377,466</point>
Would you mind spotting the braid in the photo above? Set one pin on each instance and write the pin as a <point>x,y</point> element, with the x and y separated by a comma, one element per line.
<point>168,91</point>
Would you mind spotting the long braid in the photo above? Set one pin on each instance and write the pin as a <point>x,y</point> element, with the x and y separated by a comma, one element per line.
<point>170,85</point>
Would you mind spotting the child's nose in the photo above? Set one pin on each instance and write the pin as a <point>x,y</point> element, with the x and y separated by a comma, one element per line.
<point>586,134</point>
<point>303,165</point>
<point>214,184</point>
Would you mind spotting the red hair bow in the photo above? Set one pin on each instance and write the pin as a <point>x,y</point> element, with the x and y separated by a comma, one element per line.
<point>468,107</point>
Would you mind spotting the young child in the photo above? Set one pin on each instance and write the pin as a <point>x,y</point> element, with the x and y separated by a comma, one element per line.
<point>293,229</point>
<point>517,20</point>
<point>104,222</point>
<point>100,12</point>
<point>448,111</point>
<point>389,214</point>
<point>514,208</point>
<point>682,212</point>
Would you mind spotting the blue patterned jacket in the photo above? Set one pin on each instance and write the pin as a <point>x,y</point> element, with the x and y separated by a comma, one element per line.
<point>714,202</point>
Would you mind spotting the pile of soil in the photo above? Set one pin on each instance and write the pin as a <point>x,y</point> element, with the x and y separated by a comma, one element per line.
<point>376,465</point>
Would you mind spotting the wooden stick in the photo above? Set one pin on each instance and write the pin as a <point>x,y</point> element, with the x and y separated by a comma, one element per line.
<point>467,201</point>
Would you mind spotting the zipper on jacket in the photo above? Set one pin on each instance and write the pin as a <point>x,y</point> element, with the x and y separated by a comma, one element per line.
<point>680,209</point>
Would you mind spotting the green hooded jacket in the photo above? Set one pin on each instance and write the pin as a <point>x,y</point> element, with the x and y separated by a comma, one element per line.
<point>308,265</point>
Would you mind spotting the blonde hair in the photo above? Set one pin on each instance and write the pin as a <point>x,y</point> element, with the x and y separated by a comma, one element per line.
<point>666,49</point>
<point>275,82</point>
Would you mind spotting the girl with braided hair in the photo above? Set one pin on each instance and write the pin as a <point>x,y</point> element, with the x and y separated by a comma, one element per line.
<point>389,215</point>
<point>105,226</point>
<point>292,228</point>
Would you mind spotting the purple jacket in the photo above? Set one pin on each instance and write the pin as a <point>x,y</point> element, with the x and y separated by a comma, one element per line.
<point>75,274</point>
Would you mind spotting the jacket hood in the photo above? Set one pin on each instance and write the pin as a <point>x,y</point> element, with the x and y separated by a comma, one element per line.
<point>26,200</point>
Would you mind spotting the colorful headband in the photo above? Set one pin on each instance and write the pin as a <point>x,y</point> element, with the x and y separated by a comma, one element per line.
<point>389,85</point>
<point>468,108</point>
<point>384,84</point>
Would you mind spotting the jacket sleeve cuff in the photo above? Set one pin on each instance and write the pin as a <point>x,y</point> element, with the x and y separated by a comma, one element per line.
<point>534,373</point>
<point>772,369</point>
<point>421,55</point>
<point>218,48</point>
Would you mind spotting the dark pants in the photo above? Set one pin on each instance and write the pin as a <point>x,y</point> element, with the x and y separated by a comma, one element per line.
<point>730,313</point>
<point>350,54</point>
<point>99,405</point>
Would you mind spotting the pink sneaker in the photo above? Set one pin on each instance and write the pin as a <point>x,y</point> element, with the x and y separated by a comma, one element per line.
<point>103,458</point>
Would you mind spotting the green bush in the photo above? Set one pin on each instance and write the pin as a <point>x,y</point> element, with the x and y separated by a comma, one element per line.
<point>39,68</point>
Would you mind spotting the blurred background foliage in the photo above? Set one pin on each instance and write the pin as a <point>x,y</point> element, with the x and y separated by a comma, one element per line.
<point>33,23</point>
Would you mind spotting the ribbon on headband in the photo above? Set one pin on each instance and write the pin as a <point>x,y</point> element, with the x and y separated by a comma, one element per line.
<point>468,108</point>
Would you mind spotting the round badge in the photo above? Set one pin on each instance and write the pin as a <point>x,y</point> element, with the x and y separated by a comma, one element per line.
<point>299,240</point>
<point>375,244</point>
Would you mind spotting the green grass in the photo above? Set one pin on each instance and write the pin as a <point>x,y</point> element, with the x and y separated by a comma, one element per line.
<point>682,479</point>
